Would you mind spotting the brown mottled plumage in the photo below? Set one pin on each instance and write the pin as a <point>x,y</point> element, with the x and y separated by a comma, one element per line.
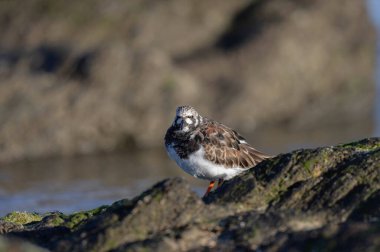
<point>226,147</point>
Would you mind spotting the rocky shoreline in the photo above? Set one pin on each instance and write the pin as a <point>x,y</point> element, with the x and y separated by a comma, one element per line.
<point>324,199</point>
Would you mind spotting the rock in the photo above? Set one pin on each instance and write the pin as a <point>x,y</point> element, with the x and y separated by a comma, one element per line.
<point>344,237</point>
<point>368,210</point>
<point>324,199</point>
<point>21,217</point>
<point>165,206</point>
<point>7,227</point>
<point>308,180</point>
<point>18,245</point>
<point>79,80</point>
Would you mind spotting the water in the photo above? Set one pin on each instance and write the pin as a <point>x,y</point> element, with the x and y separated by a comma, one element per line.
<point>373,7</point>
<point>82,183</point>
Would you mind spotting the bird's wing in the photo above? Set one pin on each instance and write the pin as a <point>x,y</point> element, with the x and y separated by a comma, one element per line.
<point>225,146</point>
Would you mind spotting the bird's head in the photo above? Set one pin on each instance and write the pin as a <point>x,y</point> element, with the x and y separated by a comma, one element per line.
<point>186,119</point>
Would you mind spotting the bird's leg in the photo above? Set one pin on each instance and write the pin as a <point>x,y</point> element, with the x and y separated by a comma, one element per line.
<point>210,186</point>
<point>220,182</point>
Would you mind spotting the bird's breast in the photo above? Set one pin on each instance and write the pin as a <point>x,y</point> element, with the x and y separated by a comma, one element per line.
<point>198,166</point>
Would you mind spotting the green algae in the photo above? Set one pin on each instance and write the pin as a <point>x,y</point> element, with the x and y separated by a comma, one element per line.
<point>363,145</point>
<point>76,219</point>
<point>53,219</point>
<point>21,217</point>
<point>57,220</point>
<point>308,165</point>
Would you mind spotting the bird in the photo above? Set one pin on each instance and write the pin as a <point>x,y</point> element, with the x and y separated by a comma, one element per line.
<point>207,149</point>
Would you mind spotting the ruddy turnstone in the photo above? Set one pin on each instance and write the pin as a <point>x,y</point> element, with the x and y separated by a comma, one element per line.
<point>207,149</point>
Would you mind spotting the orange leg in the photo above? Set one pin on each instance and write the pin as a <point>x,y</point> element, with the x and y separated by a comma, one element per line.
<point>210,186</point>
<point>220,182</point>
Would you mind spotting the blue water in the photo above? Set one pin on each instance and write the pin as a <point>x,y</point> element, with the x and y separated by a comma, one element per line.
<point>74,184</point>
<point>373,7</point>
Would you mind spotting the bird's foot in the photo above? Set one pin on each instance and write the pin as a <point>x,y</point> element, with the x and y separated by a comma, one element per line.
<point>210,186</point>
<point>220,182</point>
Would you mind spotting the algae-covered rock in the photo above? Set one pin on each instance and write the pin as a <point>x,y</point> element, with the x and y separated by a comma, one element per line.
<point>21,217</point>
<point>168,205</point>
<point>331,178</point>
<point>324,199</point>
<point>6,227</point>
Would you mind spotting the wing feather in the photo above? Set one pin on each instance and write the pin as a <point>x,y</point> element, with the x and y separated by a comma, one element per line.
<point>225,146</point>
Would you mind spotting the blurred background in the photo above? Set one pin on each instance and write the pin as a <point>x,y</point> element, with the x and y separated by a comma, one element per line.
<point>88,88</point>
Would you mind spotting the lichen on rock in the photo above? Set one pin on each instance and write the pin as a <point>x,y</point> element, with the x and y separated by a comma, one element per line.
<point>333,205</point>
